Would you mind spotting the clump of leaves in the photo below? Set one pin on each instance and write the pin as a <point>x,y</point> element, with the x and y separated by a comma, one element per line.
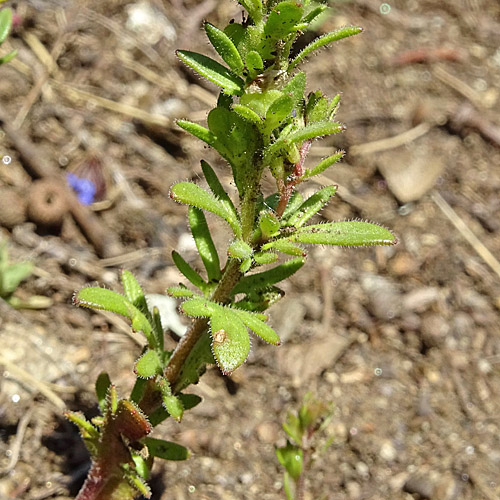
<point>263,121</point>
<point>5,25</point>
<point>306,441</point>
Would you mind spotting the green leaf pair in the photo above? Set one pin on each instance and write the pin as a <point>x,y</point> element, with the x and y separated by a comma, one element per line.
<point>131,305</point>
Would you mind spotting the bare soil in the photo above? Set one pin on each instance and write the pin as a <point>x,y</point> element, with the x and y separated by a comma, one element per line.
<point>404,341</point>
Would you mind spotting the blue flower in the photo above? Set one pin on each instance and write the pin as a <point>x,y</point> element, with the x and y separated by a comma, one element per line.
<point>85,189</point>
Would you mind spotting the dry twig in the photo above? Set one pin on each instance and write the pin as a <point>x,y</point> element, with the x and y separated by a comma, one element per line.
<point>18,442</point>
<point>392,142</point>
<point>464,230</point>
<point>33,382</point>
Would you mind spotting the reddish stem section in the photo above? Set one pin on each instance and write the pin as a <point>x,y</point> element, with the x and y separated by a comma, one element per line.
<point>286,188</point>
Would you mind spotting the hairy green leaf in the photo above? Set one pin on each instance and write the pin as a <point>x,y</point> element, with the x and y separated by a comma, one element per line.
<point>313,14</point>
<point>238,249</point>
<point>280,23</point>
<point>217,189</point>
<point>323,165</point>
<point>89,433</point>
<point>246,265</point>
<point>333,107</point>
<point>255,65</point>
<point>166,449</point>
<point>318,129</point>
<point>148,365</point>
<point>284,246</point>
<point>269,224</point>
<point>102,385</point>
<point>253,7</point>
<point>101,298</point>
<point>135,481</point>
<point>189,273</point>
<point>293,203</point>
<point>265,258</point>
<point>230,340</point>
<point>296,87</point>
<point>347,233</point>
<point>134,293</point>
<point>157,328</point>
<point>312,206</point>
<point>180,291</point>
<point>237,142</point>
<point>198,131</point>
<point>248,114</point>
<point>224,47</point>
<point>260,300</point>
<point>317,108</point>
<point>198,307</point>
<point>279,111</point>
<point>188,401</point>
<point>322,41</point>
<point>259,327</point>
<point>191,194</point>
<point>204,243</point>
<point>260,101</point>
<point>171,402</point>
<point>236,32</point>
<point>265,279</point>
<point>212,70</point>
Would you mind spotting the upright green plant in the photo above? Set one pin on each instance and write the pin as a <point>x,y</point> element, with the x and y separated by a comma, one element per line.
<point>304,443</point>
<point>263,121</point>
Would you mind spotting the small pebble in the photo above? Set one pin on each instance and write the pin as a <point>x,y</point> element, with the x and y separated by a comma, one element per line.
<point>388,452</point>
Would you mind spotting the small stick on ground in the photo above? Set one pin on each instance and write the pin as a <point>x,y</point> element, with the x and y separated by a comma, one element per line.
<point>471,238</point>
<point>392,142</point>
<point>18,442</point>
<point>33,382</point>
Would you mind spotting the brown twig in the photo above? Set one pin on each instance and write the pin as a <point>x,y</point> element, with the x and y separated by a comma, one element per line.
<point>428,54</point>
<point>471,238</point>
<point>467,116</point>
<point>33,382</point>
<point>392,142</point>
<point>18,441</point>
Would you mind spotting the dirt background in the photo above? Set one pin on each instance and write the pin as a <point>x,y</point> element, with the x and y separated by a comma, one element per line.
<point>405,341</point>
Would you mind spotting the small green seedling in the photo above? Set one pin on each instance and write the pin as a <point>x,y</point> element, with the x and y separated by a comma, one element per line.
<point>11,276</point>
<point>264,121</point>
<point>305,443</point>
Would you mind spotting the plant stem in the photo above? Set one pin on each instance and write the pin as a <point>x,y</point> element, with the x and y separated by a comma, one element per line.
<point>230,278</point>
<point>286,188</point>
<point>300,489</point>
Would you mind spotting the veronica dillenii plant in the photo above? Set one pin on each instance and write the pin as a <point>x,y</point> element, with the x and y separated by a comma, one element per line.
<point>263,121</point>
